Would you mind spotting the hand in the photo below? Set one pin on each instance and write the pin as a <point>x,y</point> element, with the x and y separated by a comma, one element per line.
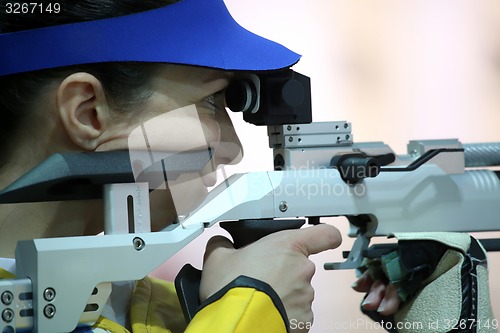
<point>382,298</point>
<point>280,260</point>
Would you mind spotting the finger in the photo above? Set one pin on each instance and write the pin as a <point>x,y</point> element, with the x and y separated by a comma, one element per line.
<point>315,239</point>
<point>390,302</point>
<point>364,283</point>
<point>216,243</point>
<point>375,296</point>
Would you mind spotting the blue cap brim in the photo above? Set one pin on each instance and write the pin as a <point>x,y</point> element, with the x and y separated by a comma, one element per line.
<point>190,32</point>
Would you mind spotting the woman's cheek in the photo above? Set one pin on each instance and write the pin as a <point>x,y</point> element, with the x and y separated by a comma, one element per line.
<point>211,130</point>
<point>179,130</point>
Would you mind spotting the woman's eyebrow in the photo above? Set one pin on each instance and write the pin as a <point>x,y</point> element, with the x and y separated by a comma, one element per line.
<point>213,75</point>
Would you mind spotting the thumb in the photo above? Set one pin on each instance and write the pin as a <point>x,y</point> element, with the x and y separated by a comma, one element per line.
<point>217,243</point>
<point>316,239</point>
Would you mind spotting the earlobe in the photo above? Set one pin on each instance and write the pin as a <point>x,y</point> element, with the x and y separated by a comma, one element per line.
<point>83,109</point>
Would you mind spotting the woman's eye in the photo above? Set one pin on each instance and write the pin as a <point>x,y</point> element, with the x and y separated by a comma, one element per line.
<point>216,99</point>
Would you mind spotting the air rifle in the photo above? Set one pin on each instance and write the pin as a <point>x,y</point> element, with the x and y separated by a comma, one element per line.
<point>319,172</point>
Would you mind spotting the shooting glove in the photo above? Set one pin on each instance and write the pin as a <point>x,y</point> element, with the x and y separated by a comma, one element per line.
<point>442,280</point>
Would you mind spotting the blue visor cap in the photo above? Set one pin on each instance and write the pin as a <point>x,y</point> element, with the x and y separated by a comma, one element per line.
<point>190,32</point>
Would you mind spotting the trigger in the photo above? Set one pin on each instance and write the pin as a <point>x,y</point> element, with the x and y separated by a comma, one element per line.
<point>355,257</point>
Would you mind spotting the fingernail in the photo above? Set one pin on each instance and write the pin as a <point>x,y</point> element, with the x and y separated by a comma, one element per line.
<point>381,307</point>
<point>367,300</point>
<point>354,285</point>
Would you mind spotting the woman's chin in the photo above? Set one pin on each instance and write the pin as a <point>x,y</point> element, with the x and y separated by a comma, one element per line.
<point>188,195</point>
<point>210,179</point>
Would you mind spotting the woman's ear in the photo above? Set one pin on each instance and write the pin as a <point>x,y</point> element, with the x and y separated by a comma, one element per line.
<point>83,109</point>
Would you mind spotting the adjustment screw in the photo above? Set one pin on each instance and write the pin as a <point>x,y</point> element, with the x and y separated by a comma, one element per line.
<point>49,294</point>
<point>49,311</point>
<point>289,127</point>
<point>138,243</point>
<point>7,297</point>
<point>290,138</point>
<point>7,315</point>
<point>283,206</point>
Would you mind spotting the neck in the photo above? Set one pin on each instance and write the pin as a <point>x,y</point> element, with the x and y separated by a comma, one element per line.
<point>42,219</point>
<point>46,220</point>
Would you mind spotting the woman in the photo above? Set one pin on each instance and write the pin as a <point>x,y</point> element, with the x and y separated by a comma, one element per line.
<point>87,86</point>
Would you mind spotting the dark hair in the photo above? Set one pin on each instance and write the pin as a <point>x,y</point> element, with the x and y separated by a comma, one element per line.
<point>126,85</point>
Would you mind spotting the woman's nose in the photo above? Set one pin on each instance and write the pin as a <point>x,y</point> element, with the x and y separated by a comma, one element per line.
<point>229,149</point>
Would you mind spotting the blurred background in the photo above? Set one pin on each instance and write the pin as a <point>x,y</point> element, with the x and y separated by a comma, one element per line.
<point>398,70</point>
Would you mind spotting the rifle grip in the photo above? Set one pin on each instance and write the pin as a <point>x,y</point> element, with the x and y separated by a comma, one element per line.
<point>187,286</point>
<point>243,232</point>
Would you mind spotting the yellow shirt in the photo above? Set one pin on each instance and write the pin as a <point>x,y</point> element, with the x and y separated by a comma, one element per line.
<point>238,308</point>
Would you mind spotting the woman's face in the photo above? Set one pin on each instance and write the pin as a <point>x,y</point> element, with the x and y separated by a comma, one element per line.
<point>186,112</point>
